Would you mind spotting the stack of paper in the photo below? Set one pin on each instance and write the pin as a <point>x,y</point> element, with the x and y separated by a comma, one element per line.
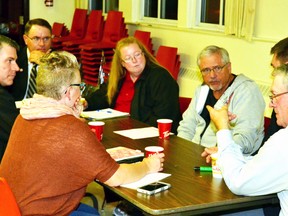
<point>139,133</point>
<point>124,154</point>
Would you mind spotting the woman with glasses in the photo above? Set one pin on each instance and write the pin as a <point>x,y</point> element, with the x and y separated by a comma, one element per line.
<point>52,155</point>
<point>138,85</point>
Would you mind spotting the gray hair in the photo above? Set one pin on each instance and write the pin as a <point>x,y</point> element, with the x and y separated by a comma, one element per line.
<point>211,50</point>
<point>56,72</point>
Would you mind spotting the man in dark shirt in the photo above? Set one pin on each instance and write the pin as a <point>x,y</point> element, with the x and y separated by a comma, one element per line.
<point>8,69</point>
<point>38,39</point>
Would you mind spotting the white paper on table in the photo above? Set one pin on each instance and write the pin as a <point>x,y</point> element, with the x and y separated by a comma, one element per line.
<point>148,179</point>
<point>103,114</point>
<point>139,133</point>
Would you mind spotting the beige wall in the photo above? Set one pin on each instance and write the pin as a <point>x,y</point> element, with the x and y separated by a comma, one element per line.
<point>62,11</point>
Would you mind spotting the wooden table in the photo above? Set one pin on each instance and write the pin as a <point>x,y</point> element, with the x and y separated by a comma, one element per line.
<point>192,192</point>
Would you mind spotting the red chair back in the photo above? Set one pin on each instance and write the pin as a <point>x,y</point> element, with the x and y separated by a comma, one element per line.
<point>79,23</point>
<point>114,25</point>
<point>184,104</point>
<point>145,38</point>
<point>95,26</point>
<point>57,29</point>
<point>266,123</point>
<point>8,204</point>
<point>168,58</point>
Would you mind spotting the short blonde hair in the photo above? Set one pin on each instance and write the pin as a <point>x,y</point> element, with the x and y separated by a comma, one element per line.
<point>56,72</point>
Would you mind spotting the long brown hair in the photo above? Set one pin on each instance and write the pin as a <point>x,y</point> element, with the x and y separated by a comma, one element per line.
<point>117,71</point>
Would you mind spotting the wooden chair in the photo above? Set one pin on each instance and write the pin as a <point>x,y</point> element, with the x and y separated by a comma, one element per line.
<point>8,204</point>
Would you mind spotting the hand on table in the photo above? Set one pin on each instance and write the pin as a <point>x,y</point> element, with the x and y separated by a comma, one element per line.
<point>207,153</point>
<point>155,162</point>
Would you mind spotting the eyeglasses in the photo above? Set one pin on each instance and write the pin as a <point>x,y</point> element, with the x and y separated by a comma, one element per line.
<point>37,40</point>
<point>82,86</point>
<point>129,59</point>
<point>216,69</point>
<point>272,96</point>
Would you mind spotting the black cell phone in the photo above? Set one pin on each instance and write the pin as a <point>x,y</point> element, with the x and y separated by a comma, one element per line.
<point>153,188</point>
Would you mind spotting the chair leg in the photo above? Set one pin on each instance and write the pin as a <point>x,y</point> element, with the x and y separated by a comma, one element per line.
<point>93,198</point>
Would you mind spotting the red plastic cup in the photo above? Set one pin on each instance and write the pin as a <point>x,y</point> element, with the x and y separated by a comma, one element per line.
<point>164,126</point>
<point>151,150</point>
<point>97,127</point>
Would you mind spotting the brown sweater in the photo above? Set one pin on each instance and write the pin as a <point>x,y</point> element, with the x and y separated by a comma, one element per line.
<point>49,162</point>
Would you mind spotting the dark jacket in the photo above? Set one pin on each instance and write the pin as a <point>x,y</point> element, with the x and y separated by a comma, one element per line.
<point>8,114</point>
<point>272,128</point>
<point>156,96</point>
<point>18,89</point>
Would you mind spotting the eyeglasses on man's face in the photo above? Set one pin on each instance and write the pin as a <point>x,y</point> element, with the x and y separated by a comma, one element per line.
<point>216,69</point>
<point>82,86</point>
<point>129,59</point>
<point>36,40</point>
<point>272,96</point>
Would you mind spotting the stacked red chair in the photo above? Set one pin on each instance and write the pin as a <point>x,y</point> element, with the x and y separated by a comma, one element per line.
<point>145,38</point>
<point>58,30</point>
<point>78,28</point>
<point>93,34</point>
<point>168,58</point>
<point>91,54</point>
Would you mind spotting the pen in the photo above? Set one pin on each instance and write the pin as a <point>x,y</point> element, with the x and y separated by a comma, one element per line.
<point>203,168</point>
<point>87,117</point>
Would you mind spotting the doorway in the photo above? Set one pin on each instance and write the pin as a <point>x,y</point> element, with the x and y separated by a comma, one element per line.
<point>13,16</point>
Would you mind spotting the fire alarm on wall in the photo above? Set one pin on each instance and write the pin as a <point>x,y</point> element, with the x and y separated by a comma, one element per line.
<point>48,3</point>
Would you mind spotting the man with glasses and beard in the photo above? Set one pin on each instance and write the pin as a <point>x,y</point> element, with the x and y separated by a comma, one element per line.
<point>245,104</point>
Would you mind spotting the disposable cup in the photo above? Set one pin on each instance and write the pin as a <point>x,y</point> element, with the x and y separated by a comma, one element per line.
<point>151,150</point>
<point>216,172</point>
<point>164,127</point>
<point>97,127</point>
